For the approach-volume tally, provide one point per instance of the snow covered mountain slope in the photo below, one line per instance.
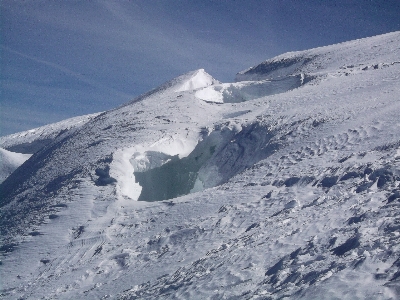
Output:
(340, 59)
(31, 141)
(260, 194)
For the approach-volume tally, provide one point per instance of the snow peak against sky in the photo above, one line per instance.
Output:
(61, 59)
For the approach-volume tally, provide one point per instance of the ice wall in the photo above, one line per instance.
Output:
(221, 155)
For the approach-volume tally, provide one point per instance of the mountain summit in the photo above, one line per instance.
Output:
(195, 80)
(285, 183)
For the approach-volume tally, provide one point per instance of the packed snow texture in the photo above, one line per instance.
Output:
(285, 183)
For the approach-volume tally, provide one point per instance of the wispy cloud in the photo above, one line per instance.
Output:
(147, 34)
(69, 72)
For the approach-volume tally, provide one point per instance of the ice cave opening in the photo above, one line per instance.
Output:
(165, 177)
(217, 158)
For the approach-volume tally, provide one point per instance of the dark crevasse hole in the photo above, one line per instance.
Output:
(218, 157)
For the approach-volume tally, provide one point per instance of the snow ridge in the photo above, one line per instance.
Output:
(328, 59)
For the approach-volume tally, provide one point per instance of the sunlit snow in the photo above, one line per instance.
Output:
(283, 184)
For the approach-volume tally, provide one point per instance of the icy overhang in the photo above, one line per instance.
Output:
(249, 90)
(152, 174)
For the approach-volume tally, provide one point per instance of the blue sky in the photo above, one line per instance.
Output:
(61, 59)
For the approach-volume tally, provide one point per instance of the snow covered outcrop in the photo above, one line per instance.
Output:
(195, 80)
(268, 188)
(10, 161)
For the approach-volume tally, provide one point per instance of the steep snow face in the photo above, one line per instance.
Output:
(10, 161)
(195, 80)
(293, 194)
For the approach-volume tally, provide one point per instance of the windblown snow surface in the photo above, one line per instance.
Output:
(285, 183)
